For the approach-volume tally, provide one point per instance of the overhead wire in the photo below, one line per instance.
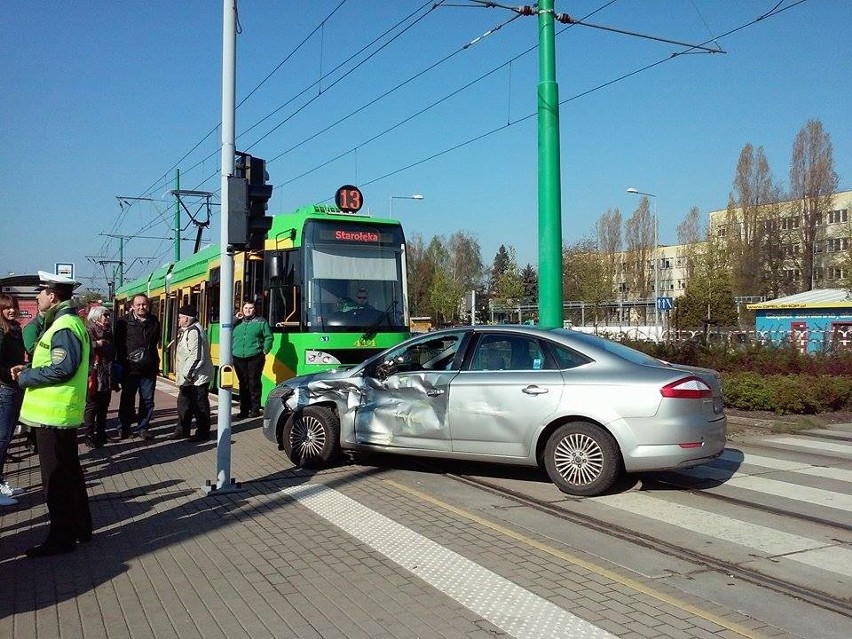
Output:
(771, 13)
(156, 184)
(324, 76)
(777, 9)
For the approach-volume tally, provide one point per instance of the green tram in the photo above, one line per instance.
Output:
(310, 280)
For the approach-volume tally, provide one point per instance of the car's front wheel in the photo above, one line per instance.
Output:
(311, 437)
(582, 459)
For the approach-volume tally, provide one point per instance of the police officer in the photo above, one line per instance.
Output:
(54, 384)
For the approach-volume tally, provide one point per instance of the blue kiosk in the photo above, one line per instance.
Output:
(813, 321)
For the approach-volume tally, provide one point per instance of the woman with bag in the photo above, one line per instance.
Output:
(100, 376)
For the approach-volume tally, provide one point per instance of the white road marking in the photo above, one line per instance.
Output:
(811, 443)
(775, 543)
(824, 472)
(796, 492)
(503, 603)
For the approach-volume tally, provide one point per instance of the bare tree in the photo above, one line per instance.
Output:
(465, 261)
(751, 230)
(813, 181)
(421, 270)
(689, 235)
(639, 237)
(609, 244)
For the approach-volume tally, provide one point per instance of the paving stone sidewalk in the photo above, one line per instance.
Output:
(167, 560)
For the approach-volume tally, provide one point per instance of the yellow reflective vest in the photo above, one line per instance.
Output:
(60, 405)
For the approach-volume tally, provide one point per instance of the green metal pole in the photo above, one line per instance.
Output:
(121, 261)
(549, 189)
(177, 215)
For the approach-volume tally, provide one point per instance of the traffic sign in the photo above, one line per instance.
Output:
(665, 303)
(64, 268)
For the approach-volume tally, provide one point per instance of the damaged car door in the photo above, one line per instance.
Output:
(404, 399)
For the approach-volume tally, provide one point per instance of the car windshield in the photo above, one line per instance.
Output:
(620, 350)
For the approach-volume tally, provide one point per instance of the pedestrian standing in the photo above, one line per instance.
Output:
(100, 382)
(193, 370)
(31, 332)
(137, 336)
(252, 341)
(12, 354)
(54, 384)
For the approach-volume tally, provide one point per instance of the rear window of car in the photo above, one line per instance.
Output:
(566, 357)
(619, 350)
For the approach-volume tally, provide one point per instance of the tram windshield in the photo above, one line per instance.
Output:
(353, 277)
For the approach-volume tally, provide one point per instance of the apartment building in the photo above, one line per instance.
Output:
(824, 254)
(666, 273)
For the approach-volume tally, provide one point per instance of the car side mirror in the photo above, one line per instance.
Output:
(388, 367)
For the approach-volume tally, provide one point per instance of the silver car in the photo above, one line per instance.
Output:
(584, 407)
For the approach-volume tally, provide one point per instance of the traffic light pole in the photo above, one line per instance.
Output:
(224, 482)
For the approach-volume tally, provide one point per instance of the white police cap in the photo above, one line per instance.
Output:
(51, 280)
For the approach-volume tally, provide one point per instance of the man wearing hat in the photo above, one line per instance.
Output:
(54, 398)
(193, 370)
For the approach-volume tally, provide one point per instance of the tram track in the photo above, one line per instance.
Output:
(817, 598)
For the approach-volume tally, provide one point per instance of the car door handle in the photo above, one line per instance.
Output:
(435, 392)
(534, 390)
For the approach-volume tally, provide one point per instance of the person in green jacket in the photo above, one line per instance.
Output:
(31, 333)
(252, 340)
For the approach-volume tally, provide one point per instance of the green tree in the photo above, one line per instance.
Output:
(529, 277)
(503, 261)
(507, 283)
(89, 297)
(585, 277)
(708, 294)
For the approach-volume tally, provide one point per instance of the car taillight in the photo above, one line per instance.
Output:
(687, 388)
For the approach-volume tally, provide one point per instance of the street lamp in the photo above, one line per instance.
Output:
(416, 196)
(656, 262)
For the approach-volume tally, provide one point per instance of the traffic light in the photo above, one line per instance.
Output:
(248, 197)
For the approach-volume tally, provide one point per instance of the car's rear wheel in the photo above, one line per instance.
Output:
(311, 437)
(582, 459)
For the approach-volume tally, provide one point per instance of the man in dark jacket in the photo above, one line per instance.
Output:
(137, 336)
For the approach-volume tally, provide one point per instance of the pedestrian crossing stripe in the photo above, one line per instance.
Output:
(826, 555)
(824, 472)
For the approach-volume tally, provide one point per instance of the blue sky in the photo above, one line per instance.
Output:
(105, 99)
